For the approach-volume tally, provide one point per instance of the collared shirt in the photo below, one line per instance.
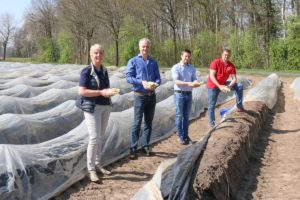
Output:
(223, 71)
(139, 70)
(186, 73)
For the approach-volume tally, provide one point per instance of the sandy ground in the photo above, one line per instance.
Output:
(274, 171)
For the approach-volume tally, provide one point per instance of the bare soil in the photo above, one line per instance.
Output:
(273, 171)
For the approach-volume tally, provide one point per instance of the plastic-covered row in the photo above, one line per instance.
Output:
(174, 178)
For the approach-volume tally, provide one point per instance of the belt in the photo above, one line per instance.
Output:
(144, 93)
(183, 92)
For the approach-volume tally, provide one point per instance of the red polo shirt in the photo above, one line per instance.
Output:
(223, 71)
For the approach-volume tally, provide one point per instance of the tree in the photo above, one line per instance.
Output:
(169, 11)
(111, 15)
(42, 18)
(79, 18)
(6, 31)
(296, 7)
(43, 15)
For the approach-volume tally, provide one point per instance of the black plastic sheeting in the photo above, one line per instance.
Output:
(177, 182)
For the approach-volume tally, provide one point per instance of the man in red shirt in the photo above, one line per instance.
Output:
(220, 70)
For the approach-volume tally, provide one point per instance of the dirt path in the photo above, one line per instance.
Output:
(275, 177)
(274, 172)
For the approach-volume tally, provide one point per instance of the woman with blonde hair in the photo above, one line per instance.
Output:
(94, 100)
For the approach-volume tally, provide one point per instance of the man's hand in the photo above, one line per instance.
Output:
(224, 88)
(152, 85)
(149, 85)
(196, 84)
(145, 84)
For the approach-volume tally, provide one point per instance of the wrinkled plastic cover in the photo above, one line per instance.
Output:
(40, 171)
(296, 87)
(42, 102)
(39, 127)
(27, 91)
(266, 91)
(174, 177)
(43, 126)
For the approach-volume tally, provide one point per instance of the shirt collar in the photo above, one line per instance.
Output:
(102, 68)
(183, 65)
(140, 55)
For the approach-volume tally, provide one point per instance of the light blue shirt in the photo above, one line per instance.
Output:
(186, 73)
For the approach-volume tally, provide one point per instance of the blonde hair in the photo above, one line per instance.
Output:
(96, 46)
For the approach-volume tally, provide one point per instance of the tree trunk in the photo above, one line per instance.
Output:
(4, 51)
(175, 44)
(283, 17)
(88, 58)
(117, 52)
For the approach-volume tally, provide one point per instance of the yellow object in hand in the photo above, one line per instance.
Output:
(113, 91)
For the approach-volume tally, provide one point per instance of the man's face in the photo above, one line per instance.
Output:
(144, 48)
(97, 56)
(185, 58)
(225, 56)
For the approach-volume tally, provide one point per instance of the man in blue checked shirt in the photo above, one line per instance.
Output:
(142, 72)
(184, 77)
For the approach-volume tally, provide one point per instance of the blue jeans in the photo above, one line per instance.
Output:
(183, 103)
(143, 106)
(213, 94)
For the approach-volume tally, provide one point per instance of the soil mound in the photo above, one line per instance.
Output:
(227, 153)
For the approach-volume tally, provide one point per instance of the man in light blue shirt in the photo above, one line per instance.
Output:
(142, 72)
(184, 77)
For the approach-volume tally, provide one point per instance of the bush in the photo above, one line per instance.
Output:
(247, 52)
(284, 54)
(48, 51)
(65, 48)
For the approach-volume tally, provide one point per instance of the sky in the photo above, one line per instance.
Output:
(17, 8)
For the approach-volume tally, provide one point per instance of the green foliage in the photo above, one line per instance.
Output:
(293, 28)
(48, 51)
(284, 54)
(207, 47)
(246, 50)
(129, 49)
(132, 32)
(278, 54)
(110, 53)
(65, 47)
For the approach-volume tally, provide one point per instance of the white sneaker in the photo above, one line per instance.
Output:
(93, 176)
(102, 170)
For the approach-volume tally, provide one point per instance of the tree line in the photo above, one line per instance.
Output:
(262, 34)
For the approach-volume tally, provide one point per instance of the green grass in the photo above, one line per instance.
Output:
(17, 60)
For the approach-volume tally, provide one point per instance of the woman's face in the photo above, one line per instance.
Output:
(97, 57)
